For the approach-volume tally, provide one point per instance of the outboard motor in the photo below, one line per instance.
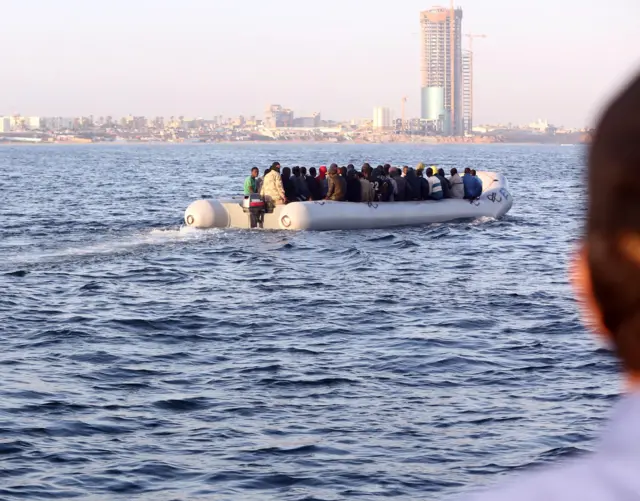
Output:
(255, 207)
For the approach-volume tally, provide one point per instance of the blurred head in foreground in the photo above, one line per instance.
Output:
(607, 269)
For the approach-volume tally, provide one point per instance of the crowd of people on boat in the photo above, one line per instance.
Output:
(384, 183)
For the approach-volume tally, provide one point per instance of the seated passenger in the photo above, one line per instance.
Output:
(414, 184)
(444, 182)
(272, 188)
(391, 178)
(367, 193)
(468, 183)
(337, 185)
(313, 185)
(290, 192)
(424, 184)
(353, 187)
(385, 189)
(401, 183)
(478, 182)
(250, 183)
(323, 182)
(457, 188)
(435, 187)
(301, 184)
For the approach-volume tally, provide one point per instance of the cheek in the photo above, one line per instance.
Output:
(589, 309)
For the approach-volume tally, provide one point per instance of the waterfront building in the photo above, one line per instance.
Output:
(5, 124)
(312, 121)
(441, 69)
(382, 118)
(31, 123)
(277, 116)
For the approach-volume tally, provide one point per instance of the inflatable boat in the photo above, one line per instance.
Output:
(495, 201)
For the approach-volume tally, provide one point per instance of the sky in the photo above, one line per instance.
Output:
(558, 60)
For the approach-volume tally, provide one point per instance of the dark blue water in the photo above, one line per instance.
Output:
(142, 360)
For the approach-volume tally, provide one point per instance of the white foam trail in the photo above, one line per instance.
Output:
(482, 220)
(156, 236)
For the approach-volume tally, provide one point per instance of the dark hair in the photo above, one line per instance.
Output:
(312, 172)
(365, 166)
(296, 171)
(467, 170)
(454, 171)
(343, 171)
(429, 172)
(255, 168)
(286, 173)
(303, 171)
(613, 214)
(333, 165)
(275, 164)
(441, 172)
(473, 172)
(386, 169)
(350, 166)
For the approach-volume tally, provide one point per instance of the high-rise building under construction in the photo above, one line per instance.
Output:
(441, 69)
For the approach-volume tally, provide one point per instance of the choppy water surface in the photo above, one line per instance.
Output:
(142, 360)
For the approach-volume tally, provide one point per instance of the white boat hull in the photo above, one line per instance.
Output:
(495, 201)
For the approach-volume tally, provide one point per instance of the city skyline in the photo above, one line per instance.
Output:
(558, 60)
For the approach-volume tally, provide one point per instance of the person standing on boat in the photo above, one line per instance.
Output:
(337, 185)
(251, 184)
(457, 187)
(272, 188)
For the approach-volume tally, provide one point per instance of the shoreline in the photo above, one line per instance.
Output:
(281, 143)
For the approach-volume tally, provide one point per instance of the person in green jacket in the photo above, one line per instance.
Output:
(250, 183)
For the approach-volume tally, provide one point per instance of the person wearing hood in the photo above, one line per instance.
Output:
(301, 184)
(337, 185)
(444, 182)
(323, 182)
(435, 188)
(353, 187)
(401, 186)
(457, 187)
(313, 185)
(414, 184)
(290, 191)
(272, 189)
(424, 185)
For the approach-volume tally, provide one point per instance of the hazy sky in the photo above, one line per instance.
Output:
(555, 59)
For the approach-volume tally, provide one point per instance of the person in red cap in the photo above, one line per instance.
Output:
(323, 181)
